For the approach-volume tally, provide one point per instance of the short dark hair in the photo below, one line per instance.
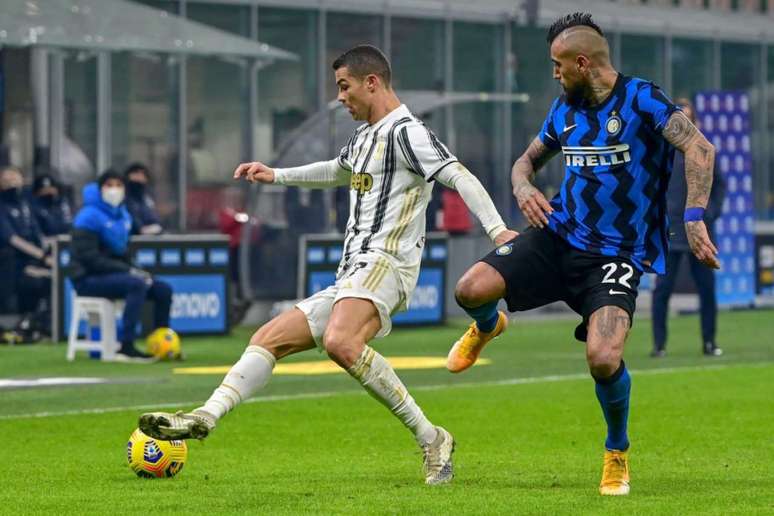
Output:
(109, 174)
(136, 167)
(363, 60)
(571, 20)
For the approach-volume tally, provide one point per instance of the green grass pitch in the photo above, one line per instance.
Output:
(529, 431)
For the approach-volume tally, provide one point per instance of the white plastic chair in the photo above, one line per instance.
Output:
(98, 312)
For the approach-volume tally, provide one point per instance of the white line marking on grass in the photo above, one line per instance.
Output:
(436, 387)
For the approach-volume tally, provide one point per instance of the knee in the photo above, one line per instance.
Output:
(136, 284)
(341, 347)
(466, 292)
(602, 362)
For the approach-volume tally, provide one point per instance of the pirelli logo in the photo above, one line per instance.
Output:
(596, 156)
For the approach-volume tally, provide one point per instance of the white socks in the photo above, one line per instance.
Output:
(245, 378)
(381, 382)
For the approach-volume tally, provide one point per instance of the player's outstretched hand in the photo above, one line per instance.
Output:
(505, 236)
(701, 245)
(255, 172)
(533, 205)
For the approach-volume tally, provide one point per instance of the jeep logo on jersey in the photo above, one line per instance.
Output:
(596, 156)
(362, 182)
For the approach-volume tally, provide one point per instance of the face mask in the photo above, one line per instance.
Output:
(113, 195)
(11, 194)
(135, 189)
(47, 200)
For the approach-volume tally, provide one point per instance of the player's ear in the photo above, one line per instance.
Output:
(582, 63)
(372, 82)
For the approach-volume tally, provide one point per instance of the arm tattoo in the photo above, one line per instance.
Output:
(699, 157)
(610, 319)
(533, 159)
(679, 131)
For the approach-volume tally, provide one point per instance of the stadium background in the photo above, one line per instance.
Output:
(192, 88)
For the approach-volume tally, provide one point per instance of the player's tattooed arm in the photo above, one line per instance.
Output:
(531, 201)
(699, 157)
(699, 164)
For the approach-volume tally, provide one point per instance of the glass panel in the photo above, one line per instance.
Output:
(216, 89)
(643, 57)
(17, 114)
(287, 89)
(79, 146)
(740, 66)
(691, 67)
(534, 76)
(474, 47)
(144, 122)
(740, 70)
(287, 97)
(769, 214)
(414, 70)
(344, 31)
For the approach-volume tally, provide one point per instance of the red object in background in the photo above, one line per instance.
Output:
(230, 223)
(456, 218)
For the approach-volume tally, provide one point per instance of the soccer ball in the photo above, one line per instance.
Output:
(164, 343)
(151, 458)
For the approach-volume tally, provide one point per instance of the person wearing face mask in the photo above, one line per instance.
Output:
(101, 266)
(52, 211)
(140, 204)
(20, 232)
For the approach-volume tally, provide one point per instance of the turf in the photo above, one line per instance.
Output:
(528, 428)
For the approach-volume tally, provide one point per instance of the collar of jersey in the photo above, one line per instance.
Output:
(618, 84)
(396, 114)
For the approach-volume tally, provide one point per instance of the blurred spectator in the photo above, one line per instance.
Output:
(52, 210)
(101, 266)
(704, 277)
(19, 231)
(139, 203)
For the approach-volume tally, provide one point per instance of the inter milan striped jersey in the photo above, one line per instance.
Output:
(617, 166)
(393, 163)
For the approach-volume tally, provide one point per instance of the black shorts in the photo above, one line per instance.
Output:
(539, 267)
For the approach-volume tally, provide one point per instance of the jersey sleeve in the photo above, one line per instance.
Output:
(548, 132)
(422, 151)
(654, 106)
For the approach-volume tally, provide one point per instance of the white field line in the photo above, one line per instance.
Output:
(438, 387)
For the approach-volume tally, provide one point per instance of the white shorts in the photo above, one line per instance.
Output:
(370, 276)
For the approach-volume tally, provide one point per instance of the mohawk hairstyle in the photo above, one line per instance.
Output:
(571, 20)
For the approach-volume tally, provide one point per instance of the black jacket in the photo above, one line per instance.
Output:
(676, 194)
(54, 216)
(142, 209)
(90, 256)
(17, 218)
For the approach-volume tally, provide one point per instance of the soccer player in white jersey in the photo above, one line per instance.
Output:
(390, 163)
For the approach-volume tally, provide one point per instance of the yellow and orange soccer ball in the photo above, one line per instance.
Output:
(153, 458)
(164, 344)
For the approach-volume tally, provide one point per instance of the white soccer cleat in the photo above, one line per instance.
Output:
(180, 425)
(438, 458)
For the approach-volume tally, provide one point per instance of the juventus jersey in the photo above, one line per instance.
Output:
(393, 163)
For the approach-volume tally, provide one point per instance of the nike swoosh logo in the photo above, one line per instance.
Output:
(569, 127)
(614, 292)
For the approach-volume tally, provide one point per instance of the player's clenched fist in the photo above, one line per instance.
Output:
(255, 172)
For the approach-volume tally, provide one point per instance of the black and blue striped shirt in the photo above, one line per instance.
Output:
(613, 197)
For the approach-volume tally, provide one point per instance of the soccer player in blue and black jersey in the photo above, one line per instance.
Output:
(607, 225)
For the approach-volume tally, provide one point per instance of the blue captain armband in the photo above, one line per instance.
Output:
(693, 214)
